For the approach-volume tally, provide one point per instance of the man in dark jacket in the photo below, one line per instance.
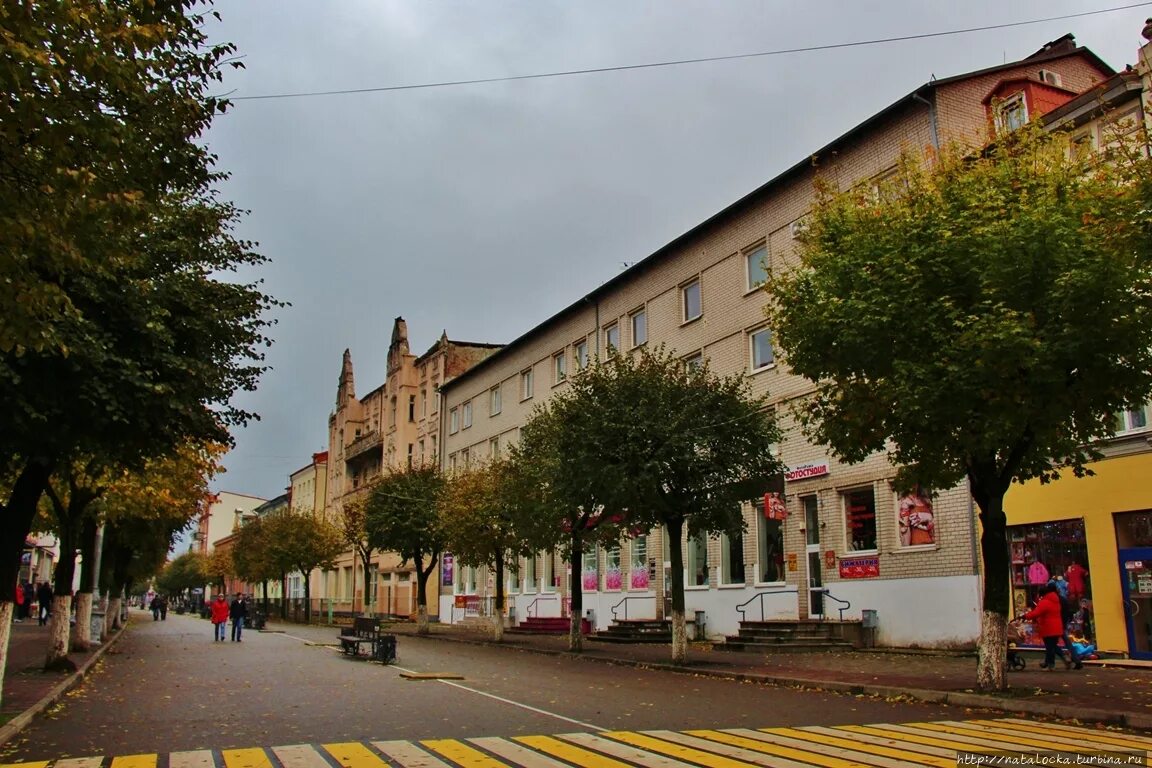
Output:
(238, 611)
(44, 598)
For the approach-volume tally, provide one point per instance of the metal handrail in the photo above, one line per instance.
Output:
(532, 604)
(624, 603)
(758, 596)
(846, 604)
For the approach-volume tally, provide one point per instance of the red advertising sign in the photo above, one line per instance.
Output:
(804, 471)
(774, 508)
(859, 567)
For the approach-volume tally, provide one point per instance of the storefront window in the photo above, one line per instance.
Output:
(696, 561)
(590, 572)
(732, 558)
(860, 512)
(638, 572)
(613, 577)
(915, 520)
(769, 547)
(1053, 552)
(530, 574)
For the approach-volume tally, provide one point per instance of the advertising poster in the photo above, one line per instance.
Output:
(447, 568)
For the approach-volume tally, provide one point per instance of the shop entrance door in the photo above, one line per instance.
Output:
(1136, 583)
(812, 550)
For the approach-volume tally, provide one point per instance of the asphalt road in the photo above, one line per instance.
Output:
(168, 687)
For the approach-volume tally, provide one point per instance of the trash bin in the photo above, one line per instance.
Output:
(701, 630)
(869, 621)
(385, 649)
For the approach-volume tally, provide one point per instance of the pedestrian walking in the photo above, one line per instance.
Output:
(219, 617)
(44, 598)
(156, 608)
(239, 613)
(163, 608)
(1049, 624)
(19, 603)
(29, 598)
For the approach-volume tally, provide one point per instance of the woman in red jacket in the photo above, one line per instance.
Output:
(219, 616)
(1049, 624)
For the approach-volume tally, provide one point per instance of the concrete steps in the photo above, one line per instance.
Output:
(549, 625)
(787, 637)
(635, 631)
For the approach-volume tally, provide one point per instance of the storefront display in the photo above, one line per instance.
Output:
(1057, 553)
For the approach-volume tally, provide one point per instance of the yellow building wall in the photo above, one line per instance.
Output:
(1117, 486)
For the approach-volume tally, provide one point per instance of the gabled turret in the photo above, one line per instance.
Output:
(347, 389)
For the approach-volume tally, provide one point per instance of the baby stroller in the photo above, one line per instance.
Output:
(1015, 635)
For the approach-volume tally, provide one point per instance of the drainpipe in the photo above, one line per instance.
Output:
(932, 122)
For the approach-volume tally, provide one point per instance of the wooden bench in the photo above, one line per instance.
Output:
(363, 630)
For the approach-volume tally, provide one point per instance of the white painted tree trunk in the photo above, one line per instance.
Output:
(679, 638)
(82, 638)
(6, 611)
(421, 619)
(58, 632)
(112, 616)
(498, 627)
(992, 650)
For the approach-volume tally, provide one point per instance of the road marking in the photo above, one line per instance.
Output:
(462, 754)
(528, 707)
(884, 745)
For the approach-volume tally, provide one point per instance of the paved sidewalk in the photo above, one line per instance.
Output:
(1107, 694)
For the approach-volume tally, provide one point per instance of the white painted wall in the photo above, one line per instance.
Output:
(925, 612)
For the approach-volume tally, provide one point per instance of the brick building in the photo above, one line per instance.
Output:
(846, 537)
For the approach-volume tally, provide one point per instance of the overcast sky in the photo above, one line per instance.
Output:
(484, 209)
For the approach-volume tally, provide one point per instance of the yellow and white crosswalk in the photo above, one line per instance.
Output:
(937, 744)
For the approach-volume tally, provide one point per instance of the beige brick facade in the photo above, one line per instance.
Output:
(911, 580)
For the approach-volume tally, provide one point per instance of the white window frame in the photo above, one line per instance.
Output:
(453, 421)
(494, 447)
(527, 383)
(643, 314)
(1128, 422)
(495, 401)
(684, 309)
(726, 554)
(580, 354)
(752, 336)
(691, 548)
(694, 361)
(559, 367)
(609, 332)
(756, 256)
(466, 415)
(1005, 109)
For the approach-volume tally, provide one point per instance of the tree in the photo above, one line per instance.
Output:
(251, 557)
(353, 524)
(401, 514)
(652, 442)
(218, 568)
(981, 320)
(302, 542)
(124, 334)
(483, 513)
(187, 572)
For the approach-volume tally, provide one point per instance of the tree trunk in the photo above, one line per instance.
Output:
(264, 586)
(82, 639)
(367, 583)
(7, 608)
(991, 667)
(307, 597)
(112, 614)
(679, 631)
(58, 627)
(284, 596)
(19, 512)
(498, 614)
(422, 576)
(575, 596)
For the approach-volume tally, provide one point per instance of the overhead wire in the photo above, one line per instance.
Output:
(682, 62)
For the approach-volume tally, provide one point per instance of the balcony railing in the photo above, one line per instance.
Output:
(363, 444)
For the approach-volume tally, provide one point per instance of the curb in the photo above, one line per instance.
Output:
(953, 698)
(22, 720)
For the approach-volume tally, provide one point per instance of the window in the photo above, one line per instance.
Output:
(612, 337)
(639, 321)
(589, 569)
(613, 575)
(514, 578)
(756, 266)
(392, 412)
(581, 354)
(466, 415)
(494, 404)
(1130, 421)
(769, 546)
(690, 300)
(526, 384)
(547, 570)
(423, 458)
(1011, 113)
(453, 421)
(916, 520)
(638, 571)
(466, 457)
(411, 407)
(732, 558)
(411, 452)
(694, 362)
(559, 368)
(494, 448)
(435, 452)
(761, 345)
(452, 462)
(423, 403)
(696, 561)
(860, 513)
(530, 574)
